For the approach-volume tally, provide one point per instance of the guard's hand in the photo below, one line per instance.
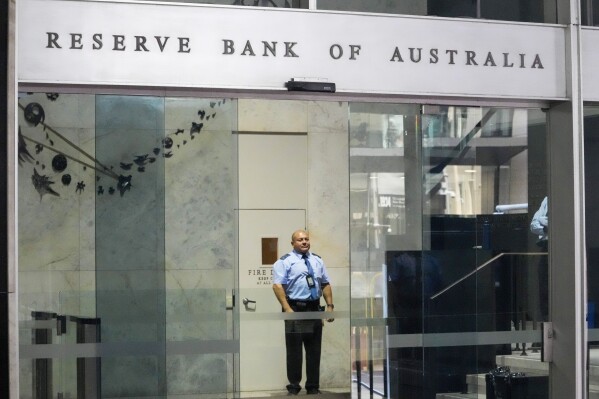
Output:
(330, 319)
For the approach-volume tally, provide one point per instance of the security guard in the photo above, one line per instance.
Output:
(300, 279)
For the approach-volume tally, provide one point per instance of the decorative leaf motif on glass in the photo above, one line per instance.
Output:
(34, 114)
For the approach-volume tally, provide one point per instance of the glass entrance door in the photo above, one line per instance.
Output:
(450, 281)
(146, 233)
(127, 246)
(148, 227)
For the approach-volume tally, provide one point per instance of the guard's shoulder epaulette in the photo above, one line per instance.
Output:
(318, 256)
(285, 256)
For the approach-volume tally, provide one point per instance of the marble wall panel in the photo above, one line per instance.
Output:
(143, 317)
(130, 240)
(328, 222)
(123, 243)
(197, 375)
(25, 379)
(335, 364)
(328, 181)
(191, 315)
(196, 314)
(200, 238)
(87, 282)
(193, 280)
(328, 117)
(335, 367)
(212, 113)
(200, 185)
(87, 293)
(130, 224)
(129, 280)
(272, 171)
(199, 204)
(48, 292)
(87, 205)
(132, 376)
(80, 109)
(55, 230)
(178, 216)
(56, 224)
(272, 116)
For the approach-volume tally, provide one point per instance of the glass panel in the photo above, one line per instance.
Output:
(200, 245)
(516, 10)
(129, 242)
(589, 12)
(591, 145)
(385, 209)
(481, 257)
(56, 232)
(449, 8)
(465, 266)
(411, 7)
(122, 245)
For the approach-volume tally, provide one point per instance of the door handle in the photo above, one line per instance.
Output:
(250, 305)
(246, 301)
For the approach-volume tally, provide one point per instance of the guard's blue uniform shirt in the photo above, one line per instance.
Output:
(291, 271)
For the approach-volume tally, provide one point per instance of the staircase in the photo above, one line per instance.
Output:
(530, 365)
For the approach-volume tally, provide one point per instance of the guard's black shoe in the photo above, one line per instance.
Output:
(293, 389)
(313, 392)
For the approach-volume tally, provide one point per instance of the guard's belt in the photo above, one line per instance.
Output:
(303, 305)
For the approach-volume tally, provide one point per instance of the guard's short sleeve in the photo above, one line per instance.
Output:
(279, 273)
(325, 275)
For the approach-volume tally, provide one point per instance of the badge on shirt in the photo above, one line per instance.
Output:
(310, 281)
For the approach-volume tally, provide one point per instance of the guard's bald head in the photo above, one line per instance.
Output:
(296, 232)
(300, 240)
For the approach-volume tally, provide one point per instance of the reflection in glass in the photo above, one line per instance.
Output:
(512, 10)
(591, 146)
(459, 256)
(589, 10)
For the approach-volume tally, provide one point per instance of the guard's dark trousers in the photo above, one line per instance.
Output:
(300, 334)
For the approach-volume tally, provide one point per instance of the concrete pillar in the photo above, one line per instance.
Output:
(567, 263)
(8, 296)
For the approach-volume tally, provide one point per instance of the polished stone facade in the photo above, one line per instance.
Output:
(156, 261)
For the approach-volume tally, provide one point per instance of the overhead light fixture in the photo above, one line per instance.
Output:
(310, 84)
